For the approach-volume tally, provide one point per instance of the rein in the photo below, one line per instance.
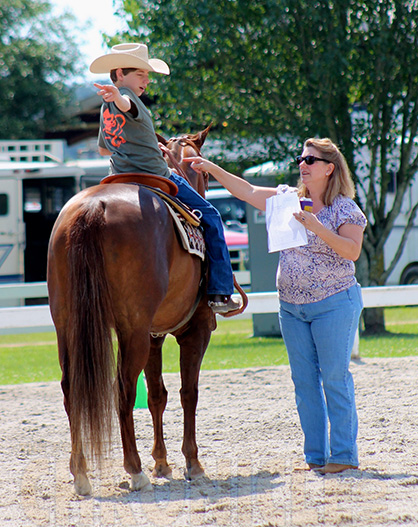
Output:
(183, 142)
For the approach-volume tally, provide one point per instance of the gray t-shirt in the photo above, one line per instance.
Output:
(131, 140)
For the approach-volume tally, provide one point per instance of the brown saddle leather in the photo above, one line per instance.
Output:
(150, 180)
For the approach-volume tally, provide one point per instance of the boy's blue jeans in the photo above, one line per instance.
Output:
(220, 279)
(319, 338)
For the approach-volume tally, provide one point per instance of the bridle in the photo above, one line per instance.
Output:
(183, 141)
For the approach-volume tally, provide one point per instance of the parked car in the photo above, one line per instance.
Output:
(232, 209)
(233, 213)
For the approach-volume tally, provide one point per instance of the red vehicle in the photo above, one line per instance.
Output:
(237, 243)
(232, 211)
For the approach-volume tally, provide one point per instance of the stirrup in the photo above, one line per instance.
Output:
(224, 306)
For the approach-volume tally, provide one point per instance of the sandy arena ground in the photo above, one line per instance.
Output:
(250, 444)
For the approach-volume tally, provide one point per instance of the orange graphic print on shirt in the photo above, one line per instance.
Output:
(113, 127)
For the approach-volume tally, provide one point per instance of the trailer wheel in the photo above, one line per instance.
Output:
(410, 275)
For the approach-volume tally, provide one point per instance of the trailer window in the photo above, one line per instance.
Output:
(4, 204)
(33, 199)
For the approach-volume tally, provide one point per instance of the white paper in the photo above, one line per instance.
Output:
(283, 230)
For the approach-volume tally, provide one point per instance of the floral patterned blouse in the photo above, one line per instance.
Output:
(315, 271)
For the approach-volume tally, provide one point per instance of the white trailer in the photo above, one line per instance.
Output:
(406, 270)
(31, 196)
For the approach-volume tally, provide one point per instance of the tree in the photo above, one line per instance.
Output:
(359, 82)
(38, 56)
(286, 70)
(213, 49)
(387, 127)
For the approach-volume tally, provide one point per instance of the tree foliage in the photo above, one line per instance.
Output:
(285, 70)
(37, 57)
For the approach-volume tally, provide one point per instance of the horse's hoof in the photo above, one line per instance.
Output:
(82, 485)
(140, 482)
(162, 470)
(194, 472)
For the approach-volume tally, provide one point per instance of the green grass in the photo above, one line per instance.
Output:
(28, 358)
(401, 339)
(233, 346)
(33, 357)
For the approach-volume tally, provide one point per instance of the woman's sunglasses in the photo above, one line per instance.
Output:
(309, 160)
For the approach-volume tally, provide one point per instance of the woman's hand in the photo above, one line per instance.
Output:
(199, 164)
(347, 242)
(308, 220)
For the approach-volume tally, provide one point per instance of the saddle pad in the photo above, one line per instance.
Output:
(160, 182)
(191, 236)
(181, 208)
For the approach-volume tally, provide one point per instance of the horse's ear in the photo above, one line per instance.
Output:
(201, 136)
(161, 139)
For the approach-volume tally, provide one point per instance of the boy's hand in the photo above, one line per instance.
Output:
(110, 93)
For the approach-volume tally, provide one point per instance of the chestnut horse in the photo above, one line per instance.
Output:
(115, 261)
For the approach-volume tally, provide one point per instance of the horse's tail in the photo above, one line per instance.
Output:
(91, 357)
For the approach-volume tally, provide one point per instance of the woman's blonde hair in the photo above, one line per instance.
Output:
(340, 181)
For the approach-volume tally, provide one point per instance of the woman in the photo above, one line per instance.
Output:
(319, 299)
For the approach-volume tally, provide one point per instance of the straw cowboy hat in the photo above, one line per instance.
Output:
(128, 56)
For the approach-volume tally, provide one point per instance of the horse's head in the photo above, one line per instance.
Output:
(189, 145)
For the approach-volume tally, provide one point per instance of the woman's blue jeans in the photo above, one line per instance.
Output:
(220, 276)
(319, 338)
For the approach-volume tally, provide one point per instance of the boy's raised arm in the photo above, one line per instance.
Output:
(111, 93)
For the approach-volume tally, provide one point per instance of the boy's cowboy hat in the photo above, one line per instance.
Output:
(128, 56)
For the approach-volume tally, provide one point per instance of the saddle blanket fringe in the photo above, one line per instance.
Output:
(191, 236)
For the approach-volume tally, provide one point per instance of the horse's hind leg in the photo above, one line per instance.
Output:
(78, 468)
(157, 401)
(133, 355)
(78, 465)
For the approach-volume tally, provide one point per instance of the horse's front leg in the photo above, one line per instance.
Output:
(133, 355)
(157, 401)
(193, 345)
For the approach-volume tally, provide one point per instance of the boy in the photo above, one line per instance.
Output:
(127, 135)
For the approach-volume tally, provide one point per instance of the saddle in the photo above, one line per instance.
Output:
(160, 182)
(185, 219)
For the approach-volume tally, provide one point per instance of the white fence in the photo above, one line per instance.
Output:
(38, 318)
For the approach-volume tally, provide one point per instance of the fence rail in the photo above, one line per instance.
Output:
(26, 290)
(38, 318)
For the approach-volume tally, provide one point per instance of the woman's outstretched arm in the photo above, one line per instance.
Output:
(240, 188)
